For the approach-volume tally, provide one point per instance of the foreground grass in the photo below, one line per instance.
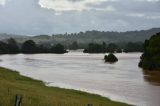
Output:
(35, 93)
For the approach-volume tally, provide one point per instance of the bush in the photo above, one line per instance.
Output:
(96, 48)
(110, 58)
(150, 59)
(58, 49)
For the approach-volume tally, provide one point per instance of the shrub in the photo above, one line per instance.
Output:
(110, 58)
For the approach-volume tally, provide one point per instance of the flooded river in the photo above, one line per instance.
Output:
(122, 81)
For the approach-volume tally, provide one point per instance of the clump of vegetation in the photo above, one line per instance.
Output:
(96, 48)
(103, 48)
(35, 93)
(114, 47)
(74, 46)
(59, 49)
(29, 47)
(111, 58)
(150, 59)
(133, 47)
(9, 47)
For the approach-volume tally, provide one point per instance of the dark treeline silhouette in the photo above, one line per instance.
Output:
(96, 48)
(29, 47)
(114, 48)
(74, 46)
(10, 46)
(134, 47)
(150, 59)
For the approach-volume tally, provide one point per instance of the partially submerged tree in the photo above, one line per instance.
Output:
(111, 58)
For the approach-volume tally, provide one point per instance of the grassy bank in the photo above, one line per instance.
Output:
(35, 93)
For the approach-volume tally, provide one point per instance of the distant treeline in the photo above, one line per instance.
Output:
(10, 46)
(29, 47)
(114, 48)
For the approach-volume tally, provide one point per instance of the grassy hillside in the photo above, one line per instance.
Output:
(35, 93)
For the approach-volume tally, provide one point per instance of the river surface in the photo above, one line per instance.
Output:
(122, 81)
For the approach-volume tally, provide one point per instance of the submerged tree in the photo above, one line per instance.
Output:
(111, 58)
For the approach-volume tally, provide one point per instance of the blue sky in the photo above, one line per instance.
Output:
(33, 17)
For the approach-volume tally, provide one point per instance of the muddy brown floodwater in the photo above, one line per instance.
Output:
(122, 81)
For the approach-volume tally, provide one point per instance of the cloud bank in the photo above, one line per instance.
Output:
(74, 5)
(60, 16)
(2, 2)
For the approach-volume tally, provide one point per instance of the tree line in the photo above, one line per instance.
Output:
(10, 46)
(114, 48)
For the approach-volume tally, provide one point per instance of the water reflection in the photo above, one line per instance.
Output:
(153, 77)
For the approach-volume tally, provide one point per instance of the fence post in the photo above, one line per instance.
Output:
(18, 101)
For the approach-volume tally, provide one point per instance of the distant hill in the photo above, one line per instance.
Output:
(6, 36)
(89, 36)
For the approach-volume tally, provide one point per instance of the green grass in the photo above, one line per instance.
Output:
(35, 93)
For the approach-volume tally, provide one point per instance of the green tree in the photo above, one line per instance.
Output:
(12, 46)
(134, 47)
(29, 46)
(96, 48)
(150, 59)
(42, 49)
(4, 49)
(58, 48)
(111, 48)
(104, 47)
(74, 46)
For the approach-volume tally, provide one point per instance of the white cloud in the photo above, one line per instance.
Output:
(136, 15)
(81, 15)
(74, 5)
(108, 8)
(2, 2)
(153, 17)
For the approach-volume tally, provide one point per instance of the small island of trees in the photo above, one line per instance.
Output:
(150, 59)
(110, 58)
